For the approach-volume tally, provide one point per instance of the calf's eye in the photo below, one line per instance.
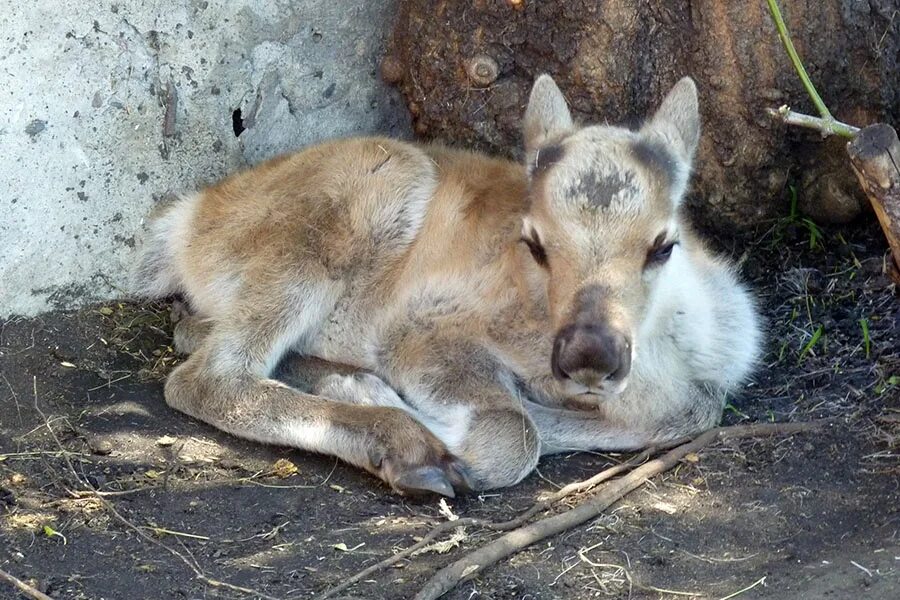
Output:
(660, 252)
(537, 250)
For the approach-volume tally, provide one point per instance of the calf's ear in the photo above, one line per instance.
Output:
(547, 116)
(670, 138)
(677, 121)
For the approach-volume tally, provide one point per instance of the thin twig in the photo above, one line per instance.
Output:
(23, 587)
(395, 558)
(198, 573)
(195, 485)
(537, 507)
(475, 562)
(164, 531)
(632, 580)
(823, 126)
(574, 488)
(761, 580)
(652, 588)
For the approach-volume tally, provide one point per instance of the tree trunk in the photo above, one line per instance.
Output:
(466, 68)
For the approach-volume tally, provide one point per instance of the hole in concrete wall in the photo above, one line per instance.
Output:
(237, 122)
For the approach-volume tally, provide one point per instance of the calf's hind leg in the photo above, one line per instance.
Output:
(189, 327)
(226, 383)
(337, 381)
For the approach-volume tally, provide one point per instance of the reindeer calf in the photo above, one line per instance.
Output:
(441, 318)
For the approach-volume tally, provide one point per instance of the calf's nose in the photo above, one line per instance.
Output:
(590, 354)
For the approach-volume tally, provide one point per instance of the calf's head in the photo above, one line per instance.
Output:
(603, 226)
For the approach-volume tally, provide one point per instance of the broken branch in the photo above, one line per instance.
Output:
(875, 157)
(23, 587)
(824, 126)
(475, 562)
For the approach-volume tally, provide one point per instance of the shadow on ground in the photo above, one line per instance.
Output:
(812, 516)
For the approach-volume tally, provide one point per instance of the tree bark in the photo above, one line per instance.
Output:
(615, 59)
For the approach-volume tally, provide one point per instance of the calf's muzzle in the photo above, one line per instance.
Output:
(591, 354)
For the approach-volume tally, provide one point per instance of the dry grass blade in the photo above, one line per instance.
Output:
(395, 558)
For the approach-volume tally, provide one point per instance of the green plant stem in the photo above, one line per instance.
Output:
(798, 64)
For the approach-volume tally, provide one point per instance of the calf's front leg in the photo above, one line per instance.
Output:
(467, 398)
(644, 415)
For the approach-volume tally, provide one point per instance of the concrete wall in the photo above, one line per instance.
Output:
(106, 107)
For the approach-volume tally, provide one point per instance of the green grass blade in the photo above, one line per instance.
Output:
(867, 341)
(812, 342)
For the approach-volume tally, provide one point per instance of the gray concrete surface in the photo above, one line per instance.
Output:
(106, 107)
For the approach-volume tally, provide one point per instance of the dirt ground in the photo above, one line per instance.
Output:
(810, 516)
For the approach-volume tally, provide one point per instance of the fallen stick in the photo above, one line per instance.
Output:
(537, 507)
(23, 587)
(476, 561)
(573, 488)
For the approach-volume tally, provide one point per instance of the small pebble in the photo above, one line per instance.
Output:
(230, 463)
(96, 481)
(391, 69)
(7, 497)
(100, 447)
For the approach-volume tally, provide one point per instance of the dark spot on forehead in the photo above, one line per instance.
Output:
(598, 188)
(656, 158)
(545, 158)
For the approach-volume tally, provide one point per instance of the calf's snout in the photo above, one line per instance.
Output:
(591, 355)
